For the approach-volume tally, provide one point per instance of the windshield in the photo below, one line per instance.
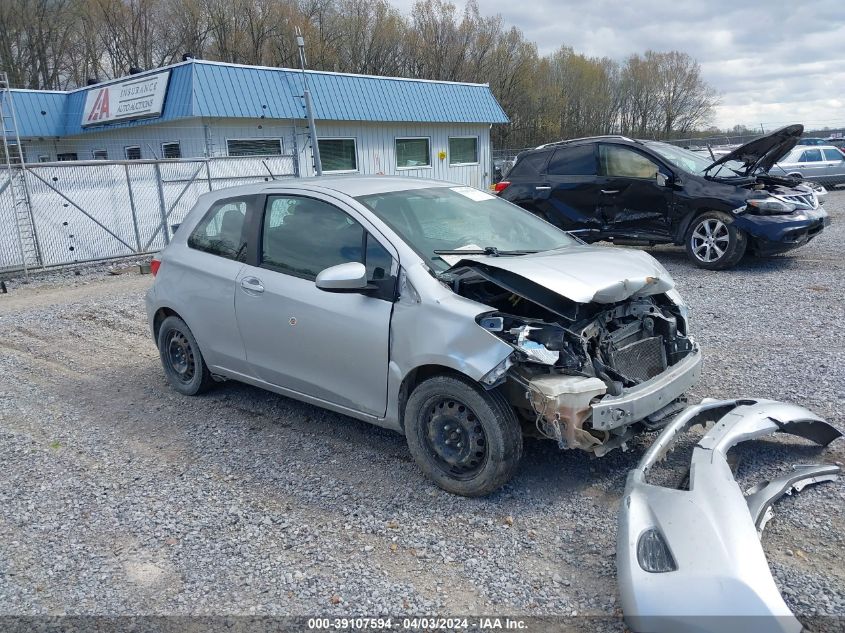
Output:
(462, 218)
(692, 162)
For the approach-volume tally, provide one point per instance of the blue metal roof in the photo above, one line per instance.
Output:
(40, 114)
(199, 88)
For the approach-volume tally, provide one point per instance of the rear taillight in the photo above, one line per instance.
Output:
(155, 264)
(499, 187)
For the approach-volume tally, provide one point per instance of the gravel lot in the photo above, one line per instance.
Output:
(119, 496)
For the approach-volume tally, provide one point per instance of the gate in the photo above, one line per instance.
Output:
(90, 211)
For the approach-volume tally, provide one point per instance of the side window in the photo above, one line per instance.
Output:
(811, 156)
(222, 231)
(529, 165)
(573, 161)
(622, 162)
(303, 236)
(833, 154)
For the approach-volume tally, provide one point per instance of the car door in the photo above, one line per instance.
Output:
(327, 345)
(632, 201)
(575, 195)
(206, 279)
(811, 163)
(834, 162)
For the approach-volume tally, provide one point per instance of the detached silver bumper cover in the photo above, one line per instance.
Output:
(708, 570)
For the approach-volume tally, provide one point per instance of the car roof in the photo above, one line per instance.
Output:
(351, 185)
(804, 148)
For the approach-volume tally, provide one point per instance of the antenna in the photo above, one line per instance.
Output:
(309, 107)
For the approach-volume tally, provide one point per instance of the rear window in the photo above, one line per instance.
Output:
(573, 161)
(529, 165)
(222, 231)
(833, 154)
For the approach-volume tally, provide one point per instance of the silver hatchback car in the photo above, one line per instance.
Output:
(437, 310)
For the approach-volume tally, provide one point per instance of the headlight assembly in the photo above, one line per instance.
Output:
(769, 206)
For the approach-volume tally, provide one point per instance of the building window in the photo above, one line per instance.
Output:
(254, 147)
(43, 158)
(66, 156)
(338, 154)
(133, 152)
(463, 150)
(14, 155)
(171, 150)
(413, 153)
(100, 154)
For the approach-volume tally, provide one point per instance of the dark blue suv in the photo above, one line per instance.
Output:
(648, 192)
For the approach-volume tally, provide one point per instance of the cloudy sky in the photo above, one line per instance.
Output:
(773, 61)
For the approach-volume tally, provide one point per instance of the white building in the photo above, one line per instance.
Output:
(365, 124)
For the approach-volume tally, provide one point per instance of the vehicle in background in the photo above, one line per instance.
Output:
(436, 310)
(809, 140)
(823, 164)
(837, 142)
(648, 192)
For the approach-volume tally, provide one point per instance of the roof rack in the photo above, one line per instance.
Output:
(585, 138)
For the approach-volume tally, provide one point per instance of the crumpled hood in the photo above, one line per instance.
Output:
(585, 273)
(763, 152)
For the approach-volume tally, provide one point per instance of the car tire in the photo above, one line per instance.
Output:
(464, 438)
(713, 242)
(181, 358)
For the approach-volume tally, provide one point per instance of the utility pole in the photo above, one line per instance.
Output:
(309, 107)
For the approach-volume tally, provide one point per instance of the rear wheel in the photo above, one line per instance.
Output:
(466, 439)
(713, 242)
(181, 358)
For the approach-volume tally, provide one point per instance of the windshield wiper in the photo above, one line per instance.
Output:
(492, 251)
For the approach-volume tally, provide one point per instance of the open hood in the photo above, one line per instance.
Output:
(761, 153)
(583, 274)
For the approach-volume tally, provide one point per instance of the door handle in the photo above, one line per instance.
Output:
(542, 188)
(610, 191)
(252, 284)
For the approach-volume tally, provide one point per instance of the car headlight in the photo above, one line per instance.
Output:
(769, 206)
(653, 554)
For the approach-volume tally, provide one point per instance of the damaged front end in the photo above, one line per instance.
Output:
(590, 373)
(690, 559)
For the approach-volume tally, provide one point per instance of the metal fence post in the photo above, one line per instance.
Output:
(208, 173)
(163, 204)
(132, 209)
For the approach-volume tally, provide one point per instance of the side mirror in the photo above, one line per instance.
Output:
(662, 179)
(349, 277)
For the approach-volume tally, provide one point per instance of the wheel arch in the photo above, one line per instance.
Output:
(159, 317)
(417, 375)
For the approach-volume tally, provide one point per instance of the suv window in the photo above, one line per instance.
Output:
(833, 154)
(529, 165)
(221, 232)
(573, 161)
(621, 162)
(303, 236)
(810, 156)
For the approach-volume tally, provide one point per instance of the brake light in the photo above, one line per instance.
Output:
(499, 187)
(155, 264)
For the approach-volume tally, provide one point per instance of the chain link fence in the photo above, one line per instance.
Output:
(89, 211)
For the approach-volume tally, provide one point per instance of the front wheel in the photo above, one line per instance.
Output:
(713, 242)
(466, 439)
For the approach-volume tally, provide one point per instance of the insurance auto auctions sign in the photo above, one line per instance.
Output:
(133, 98)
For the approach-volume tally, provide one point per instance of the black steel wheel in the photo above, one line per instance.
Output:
(466, 439)
(455, 437)
(181, 358)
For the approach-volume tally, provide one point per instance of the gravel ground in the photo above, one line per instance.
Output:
(121, 497)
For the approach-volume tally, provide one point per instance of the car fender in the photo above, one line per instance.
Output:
(431, 325)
